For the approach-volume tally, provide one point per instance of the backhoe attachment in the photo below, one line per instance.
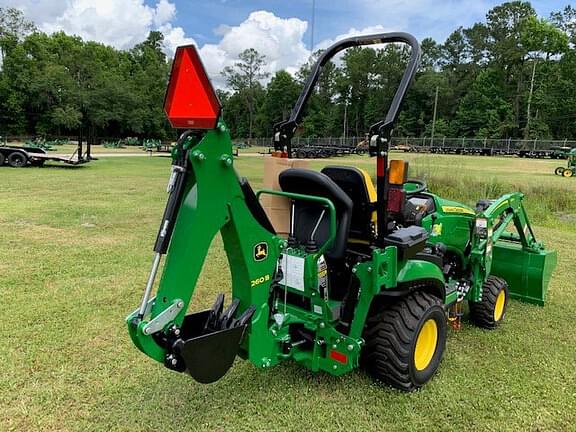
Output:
(206, 198)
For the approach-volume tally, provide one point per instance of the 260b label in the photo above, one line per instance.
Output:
(258, 281)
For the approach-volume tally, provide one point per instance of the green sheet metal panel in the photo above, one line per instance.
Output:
(527, 272)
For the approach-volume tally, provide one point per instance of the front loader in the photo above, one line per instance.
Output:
(367, 276)
(570, 170)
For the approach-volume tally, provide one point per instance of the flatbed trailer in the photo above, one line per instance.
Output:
(21, 156)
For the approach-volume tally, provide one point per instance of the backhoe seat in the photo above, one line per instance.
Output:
(357, 184)
(307, 213)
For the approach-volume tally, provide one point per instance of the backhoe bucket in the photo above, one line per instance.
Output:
(527, 272)
(208, 354)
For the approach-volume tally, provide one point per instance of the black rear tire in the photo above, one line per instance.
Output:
(392, 336)
(17, 159)
(489, 312)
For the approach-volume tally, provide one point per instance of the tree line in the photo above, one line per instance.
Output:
(511, 76)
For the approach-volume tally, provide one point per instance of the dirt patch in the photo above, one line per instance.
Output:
(567, 217)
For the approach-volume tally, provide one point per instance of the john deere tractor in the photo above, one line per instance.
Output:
(570, 170)
(369, 275)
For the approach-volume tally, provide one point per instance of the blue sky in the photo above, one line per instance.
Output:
(333, 17)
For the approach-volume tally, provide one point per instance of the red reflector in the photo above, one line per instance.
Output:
(190, 100)
(339, 357)
(395, 200)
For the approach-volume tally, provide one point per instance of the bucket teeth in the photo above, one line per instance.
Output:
(244, 318)
(228, 315)
(215, 312)
(221, 320)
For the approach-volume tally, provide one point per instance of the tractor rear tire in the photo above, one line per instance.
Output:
(489, 312)
(567, 172)
(405, 342)
(559, 171)
(17, 159)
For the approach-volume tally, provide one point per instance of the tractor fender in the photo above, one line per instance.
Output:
(418, 273)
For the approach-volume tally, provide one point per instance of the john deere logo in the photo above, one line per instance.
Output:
(260, 251)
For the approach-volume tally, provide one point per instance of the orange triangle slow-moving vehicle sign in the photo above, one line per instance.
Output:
(190, 101)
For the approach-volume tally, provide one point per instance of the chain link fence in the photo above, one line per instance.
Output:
(487, 146)
(332, 146)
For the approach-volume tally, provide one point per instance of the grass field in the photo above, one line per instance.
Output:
(75, 250)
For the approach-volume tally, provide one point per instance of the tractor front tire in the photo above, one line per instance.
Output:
(405, 341)
(559, 171)
(567, 172)
(489, 312)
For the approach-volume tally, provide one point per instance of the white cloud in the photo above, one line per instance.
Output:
(279, 39)
(352, 32)
(121, 24)
(174, 37)
(164, 13)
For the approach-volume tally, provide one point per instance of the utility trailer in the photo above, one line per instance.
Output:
(537, 154)
(318, 151)
(21, 156)
(324, 151)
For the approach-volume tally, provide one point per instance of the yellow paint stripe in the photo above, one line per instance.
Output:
(369, 185)
(454, 209)
(371, 191)
(501, 204)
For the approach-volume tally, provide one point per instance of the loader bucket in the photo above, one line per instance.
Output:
(208, 354)
(527, 272)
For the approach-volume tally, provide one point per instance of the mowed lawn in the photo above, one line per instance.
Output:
(75, 251)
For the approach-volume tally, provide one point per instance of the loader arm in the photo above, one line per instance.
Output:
(516, 256)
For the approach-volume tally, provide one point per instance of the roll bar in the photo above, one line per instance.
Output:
(284, 131)
(380, 132)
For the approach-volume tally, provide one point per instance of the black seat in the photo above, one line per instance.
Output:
(357, 184)
(308, 213)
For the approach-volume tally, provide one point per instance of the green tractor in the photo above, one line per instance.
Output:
(368, 276)
(570, 170)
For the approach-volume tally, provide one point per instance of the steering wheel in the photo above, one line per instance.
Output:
(414, 186)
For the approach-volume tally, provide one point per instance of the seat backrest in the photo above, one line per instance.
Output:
(307, 213)
(357, 184)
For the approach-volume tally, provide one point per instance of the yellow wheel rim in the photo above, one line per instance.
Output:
(499, 308)
(567, 173)
(426, 344)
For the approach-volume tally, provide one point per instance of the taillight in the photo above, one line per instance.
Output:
(396, 197)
